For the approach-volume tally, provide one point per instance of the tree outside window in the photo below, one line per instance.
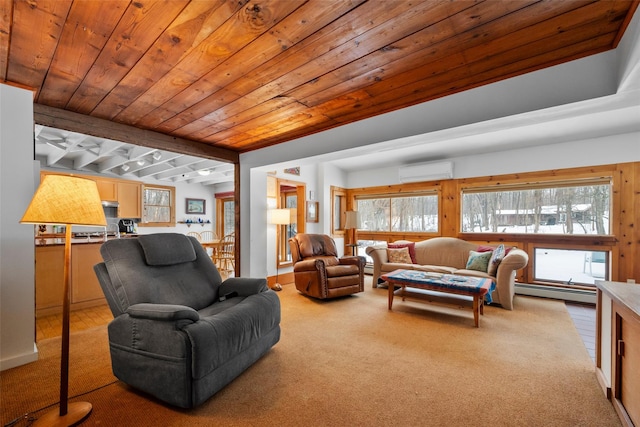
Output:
(564, 208)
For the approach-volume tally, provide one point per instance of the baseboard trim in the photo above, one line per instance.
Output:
(567, 294)
(19, 360)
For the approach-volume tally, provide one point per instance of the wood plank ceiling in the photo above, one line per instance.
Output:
(242, 75)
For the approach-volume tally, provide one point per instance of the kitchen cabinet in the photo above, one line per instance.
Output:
(108, 189)
(129, 200)
(49, 277)
(84, 286)
(618, 347)
(84, 282)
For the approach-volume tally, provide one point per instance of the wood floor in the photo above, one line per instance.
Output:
(51, 326)
(584, 318)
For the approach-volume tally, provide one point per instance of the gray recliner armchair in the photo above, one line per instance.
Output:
(179, 332)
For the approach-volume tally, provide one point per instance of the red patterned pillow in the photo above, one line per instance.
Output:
(411, 246)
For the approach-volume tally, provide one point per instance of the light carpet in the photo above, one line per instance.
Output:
(352, 362)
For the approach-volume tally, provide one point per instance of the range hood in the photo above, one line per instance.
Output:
(109, 204)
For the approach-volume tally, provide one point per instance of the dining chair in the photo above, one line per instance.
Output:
(208, 236)
(224, 257)
(196, 235)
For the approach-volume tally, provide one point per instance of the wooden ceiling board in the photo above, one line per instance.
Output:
(240, 75)
(135, 33)
(453, 70)
(187, 106)
(30, 51)
(358, 66)
(6, 10)
(85, 33)
(253, 87)
(198, 21)
(232, 36)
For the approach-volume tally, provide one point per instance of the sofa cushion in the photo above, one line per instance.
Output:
(496, 257)
(411, 246)
(478, 260)
(399, 256)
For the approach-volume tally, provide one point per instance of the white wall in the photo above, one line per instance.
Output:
(17, 251)
(587, 152)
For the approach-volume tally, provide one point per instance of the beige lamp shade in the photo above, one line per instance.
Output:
(62, 199)
(352, 220)
(280, 216)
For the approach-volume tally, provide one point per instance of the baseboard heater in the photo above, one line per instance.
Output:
(567, 294)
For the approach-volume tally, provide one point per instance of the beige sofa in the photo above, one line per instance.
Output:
(449, 255)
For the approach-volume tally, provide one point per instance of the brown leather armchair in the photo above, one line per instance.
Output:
(318, 271)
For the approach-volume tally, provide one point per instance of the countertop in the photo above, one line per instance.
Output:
(53, 241)
(626, 294)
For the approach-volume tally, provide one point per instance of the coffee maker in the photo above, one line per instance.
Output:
(126, 226)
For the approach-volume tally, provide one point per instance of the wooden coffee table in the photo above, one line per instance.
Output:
(417, 284)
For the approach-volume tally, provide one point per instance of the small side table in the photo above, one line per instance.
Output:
(354, 250)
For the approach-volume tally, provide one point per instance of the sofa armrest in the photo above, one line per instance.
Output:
(244, 286)
(168, 312)
(506, 274)
(515, 260)
(379, 256)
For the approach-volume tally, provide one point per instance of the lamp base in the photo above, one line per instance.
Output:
(77, 412)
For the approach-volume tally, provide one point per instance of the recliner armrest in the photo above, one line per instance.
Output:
(306, 265)
(354, 260)
(244, 286)
(169, 312)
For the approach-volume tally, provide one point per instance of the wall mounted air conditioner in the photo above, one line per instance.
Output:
(426, 172)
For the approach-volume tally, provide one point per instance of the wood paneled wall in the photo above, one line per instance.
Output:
(624, 242)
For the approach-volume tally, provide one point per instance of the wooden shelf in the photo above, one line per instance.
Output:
(189, 224)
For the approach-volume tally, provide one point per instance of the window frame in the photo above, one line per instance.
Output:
(172, 206)
(338, 193)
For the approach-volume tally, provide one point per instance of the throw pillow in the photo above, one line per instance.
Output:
(399, 255)
(411, 246)
(478, 261)
(494, 262)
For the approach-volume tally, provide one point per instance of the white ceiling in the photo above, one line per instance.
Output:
(61, 149)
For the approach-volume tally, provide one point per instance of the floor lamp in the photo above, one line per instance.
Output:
(279, 217)
(65, 200)
(351, 224)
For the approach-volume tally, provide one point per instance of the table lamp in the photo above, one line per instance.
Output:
(65, 200)
(279, 217)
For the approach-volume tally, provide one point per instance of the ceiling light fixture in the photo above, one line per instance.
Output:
(140, 162)
(204, 172)
(157, 156)
(124, 167)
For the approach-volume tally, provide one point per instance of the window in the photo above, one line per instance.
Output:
(289, 200)
(158, 206)
(225, 213)
(338, 209)
(291, 195)
(570, 266)
(540, 208)
(406, 213)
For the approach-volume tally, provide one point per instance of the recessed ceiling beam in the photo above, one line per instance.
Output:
(68, 120)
